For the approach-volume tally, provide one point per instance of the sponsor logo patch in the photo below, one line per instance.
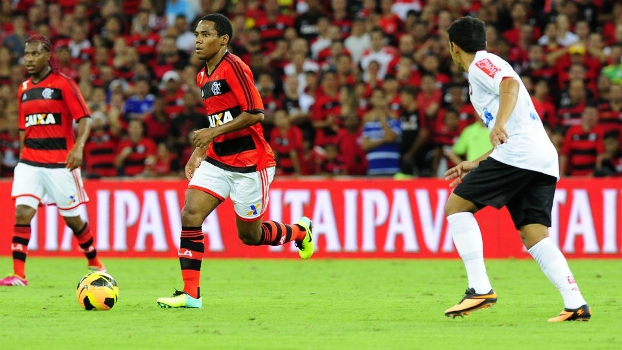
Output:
(487, 67)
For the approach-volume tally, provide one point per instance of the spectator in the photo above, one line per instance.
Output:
(140, 104)
(582, 144)
(299, 66)
(143, 38)
(16, 40)
(65, 65)
(406, 72)
(389, 21)
(611, 27)
(158, 122)
(572, 103)
(381, 137)
(403, 7)
(459, 102)
(295, 104)
(100, 148)
(79, 45)
(614, 70)
(536, 66)
(272, 26)
(173, 93)
(566, 37)
(415, 135)
(474, 141)
(358, 41)
(603, 84)
(340, 17)
(429, 98)
(112, 30)
(379, 52)
(542, 102)
(346, 73)
(184, 38)
(444, 139)
(306, 23)
(326, 110)
(174, 8)
(349, 140)
(168, 57)
(391, 86)
(135, 153)
(6, 63)
(9, 142)
(166, 163)
(267, 87)
(331, 164)
(610, 112)
(286, 142)
(609, 163)
(190, 119)
(323, 39)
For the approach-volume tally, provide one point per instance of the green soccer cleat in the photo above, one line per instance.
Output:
(305, 247)
(180, 299)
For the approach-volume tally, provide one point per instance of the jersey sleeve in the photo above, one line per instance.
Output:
(489, 74)
(240, 80)
(74, 100)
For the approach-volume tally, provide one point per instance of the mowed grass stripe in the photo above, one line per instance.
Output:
(315, 304)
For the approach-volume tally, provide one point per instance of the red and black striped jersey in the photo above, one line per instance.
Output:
(228, 92)
(99, 154)
(582, 147)
(283, 144)
(135, 163)
(272, 30)
(609, 118)
(47, 110)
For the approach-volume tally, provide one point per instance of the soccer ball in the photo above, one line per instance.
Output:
(97, 291)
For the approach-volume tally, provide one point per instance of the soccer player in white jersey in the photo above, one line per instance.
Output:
(520, 173)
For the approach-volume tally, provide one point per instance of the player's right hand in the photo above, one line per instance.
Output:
(456, 173)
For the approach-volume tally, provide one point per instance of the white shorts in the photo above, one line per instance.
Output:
(63, 188)
(248, 191)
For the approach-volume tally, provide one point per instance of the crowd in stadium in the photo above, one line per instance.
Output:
(349, 87)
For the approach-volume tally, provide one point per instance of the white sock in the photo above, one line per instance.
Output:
(468, 241)
(555, 267)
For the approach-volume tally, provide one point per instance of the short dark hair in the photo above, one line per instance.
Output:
(222, 24)
(468, 33)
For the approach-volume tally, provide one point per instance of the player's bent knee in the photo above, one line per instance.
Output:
(249, 238)
(24, 214)
(192, 216)
(456, 204)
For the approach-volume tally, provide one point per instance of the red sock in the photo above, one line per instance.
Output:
(19, 248)
(276, 233)
(191, 250)
(85, 241)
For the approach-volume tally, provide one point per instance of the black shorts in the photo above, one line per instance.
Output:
(527, 194)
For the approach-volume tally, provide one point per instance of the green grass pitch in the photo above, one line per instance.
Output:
(315, 304)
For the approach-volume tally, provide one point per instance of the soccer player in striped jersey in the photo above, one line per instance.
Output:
(49, 164)
(231, 159)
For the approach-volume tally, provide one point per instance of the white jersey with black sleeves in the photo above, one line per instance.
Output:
(528, 146)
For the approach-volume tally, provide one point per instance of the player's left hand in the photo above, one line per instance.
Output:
(202, 137)
(74, 159)
(498, 135)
